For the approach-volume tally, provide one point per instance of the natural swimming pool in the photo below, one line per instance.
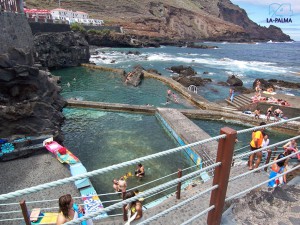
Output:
(102, 139)
(102, 86)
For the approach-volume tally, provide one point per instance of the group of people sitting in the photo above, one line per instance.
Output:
(258, 98)
(277, 113)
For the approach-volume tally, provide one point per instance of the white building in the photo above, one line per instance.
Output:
(74, 17)
(63, 14)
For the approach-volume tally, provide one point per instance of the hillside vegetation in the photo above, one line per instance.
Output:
(177, 19)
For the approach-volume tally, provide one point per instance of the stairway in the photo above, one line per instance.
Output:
(239, 101)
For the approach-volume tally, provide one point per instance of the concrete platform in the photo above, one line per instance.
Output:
(189, 132)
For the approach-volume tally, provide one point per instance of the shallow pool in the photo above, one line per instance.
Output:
(101, 86)
(102, 139)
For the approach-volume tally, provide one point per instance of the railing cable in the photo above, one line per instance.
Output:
(102, 170)
(258, 185)
(177, 205)
(142, 195)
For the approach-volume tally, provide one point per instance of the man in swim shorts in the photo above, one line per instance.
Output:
(256, 143)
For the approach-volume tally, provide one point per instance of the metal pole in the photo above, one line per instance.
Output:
(179, 184)
(25, 212)
(222, 172)
(125, 218)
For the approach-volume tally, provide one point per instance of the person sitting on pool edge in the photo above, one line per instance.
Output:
(140, 171)
(135, 207)
(69, 211)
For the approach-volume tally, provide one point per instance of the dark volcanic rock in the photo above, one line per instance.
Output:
(135, 76)
(60, 50)
(187, 81)
(113, 40)
(283, 83)
(30, 103)
(264, 84)
(193, 45)
(234, 81)
(183, 71)
(154, 71)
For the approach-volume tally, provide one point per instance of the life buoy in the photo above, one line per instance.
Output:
(7, 148)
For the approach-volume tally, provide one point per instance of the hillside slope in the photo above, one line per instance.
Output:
(179, 19)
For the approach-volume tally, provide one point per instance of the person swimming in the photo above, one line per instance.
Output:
(140, 171)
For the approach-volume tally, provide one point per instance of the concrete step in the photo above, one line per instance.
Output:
(246, 98)
(232, 104)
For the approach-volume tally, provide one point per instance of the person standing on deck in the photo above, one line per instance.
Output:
(231, 94)
(256, 143)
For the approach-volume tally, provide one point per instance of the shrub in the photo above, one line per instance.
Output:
(77, 27)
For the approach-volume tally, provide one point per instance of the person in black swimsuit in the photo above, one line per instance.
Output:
(269, 112)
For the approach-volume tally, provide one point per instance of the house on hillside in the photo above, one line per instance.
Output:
(38, 14)
(63, 14)
(70, 17)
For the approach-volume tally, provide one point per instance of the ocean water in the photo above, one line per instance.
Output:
(246, 61)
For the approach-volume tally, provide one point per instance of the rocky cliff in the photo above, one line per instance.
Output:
(59, 50)
(30, 103)
(188, 19)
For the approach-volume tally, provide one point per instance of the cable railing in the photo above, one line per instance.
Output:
(224, 141)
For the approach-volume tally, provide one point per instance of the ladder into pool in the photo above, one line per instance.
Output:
(193, 88)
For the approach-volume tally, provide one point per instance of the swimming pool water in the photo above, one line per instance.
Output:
(101, 86)
(102, 139)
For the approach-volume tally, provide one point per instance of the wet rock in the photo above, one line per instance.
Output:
(134, 77)
(264, 84)
(234, 81)
(193, 45)
(183, 71)
(133, 53)
(187, 81)
(283, 83)
(154, 71)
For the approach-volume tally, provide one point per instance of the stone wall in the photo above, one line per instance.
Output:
(37, 27)
(116, 29)
(14, 32)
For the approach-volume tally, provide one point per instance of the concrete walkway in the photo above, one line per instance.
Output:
(196, 206)
(189, 132)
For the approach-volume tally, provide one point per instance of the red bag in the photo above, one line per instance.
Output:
(62, 151)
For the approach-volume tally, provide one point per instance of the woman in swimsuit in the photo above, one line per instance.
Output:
(134, 207)
(291, 147)
(66, 210)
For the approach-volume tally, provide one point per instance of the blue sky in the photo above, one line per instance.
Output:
(259, 10)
